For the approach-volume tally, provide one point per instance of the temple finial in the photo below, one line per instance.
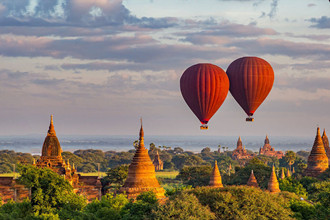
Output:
(318, 133)
(324, 134)
(141, 139)
(51, 130)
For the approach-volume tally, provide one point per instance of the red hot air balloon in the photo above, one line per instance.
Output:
(251, 79)
(204, 87)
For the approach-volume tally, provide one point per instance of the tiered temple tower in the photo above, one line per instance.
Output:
(273, 186)
(317, 160)
(269, 150)
(141, 174)
(51, 156)
(288, 174)
(215, 180)
(252, 180)
(326, 145)
(240, 153)
(158, 163)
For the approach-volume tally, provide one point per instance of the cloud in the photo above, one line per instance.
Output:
(321, 23)
(76, 13)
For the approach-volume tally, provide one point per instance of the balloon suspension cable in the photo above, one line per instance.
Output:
(204, 127)
(250, 118)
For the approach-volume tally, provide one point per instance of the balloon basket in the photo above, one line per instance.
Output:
(204, 127)
(249, 119)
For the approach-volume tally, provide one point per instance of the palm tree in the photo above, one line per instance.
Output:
(290, 157)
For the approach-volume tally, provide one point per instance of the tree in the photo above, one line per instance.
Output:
(238, 202)
(115, 177)
(50, 192)
(196, 175)
(292, 185)
(290, 157)
(183, 206)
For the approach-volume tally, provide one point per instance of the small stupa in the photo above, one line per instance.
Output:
(293, 171)
(158, 163)
(288, 174)
(252, 180)
(326, 145)
(282, 174)
(273, 186)
(215, 179)
(317, 160)
(141, 174)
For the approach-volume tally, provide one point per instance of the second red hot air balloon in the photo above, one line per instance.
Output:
(204, 87)
(251, 79)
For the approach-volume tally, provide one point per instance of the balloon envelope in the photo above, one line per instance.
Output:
(251, 79)
(204, 87)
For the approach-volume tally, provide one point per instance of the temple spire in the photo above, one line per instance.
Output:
(141, 139)
(51, 130)
(273, 185)
(252, 180)
(288, 174)
(215, 179)
(266, 139)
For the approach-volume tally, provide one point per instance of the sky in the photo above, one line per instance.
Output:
(100, 65)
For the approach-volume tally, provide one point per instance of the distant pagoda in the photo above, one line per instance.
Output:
(326, 145)
(273, 185)
(317, 160)
(288, 174)
(240, 153)
(141, 174)
(282, 174)
(268, 150)
(158, 163)
(215, 179)
(252, 180)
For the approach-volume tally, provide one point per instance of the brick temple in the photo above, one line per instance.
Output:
(268, 150)
(51, 157)
(240, 153)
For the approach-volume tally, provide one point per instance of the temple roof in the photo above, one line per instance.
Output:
(215, 179)
(239, 142)
(51, 146)
(266, 140)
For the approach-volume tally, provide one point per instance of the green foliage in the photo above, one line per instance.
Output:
(115, 177)
(183, 206)
(241, 176)
(195, 176)
(50, 191)
(303, 210)
(13, 210)
(244, 203)
(142, 208)
(109, 207)
(292, 185)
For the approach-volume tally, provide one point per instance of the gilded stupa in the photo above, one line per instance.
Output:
(215, 179)
(317, 160)
(326, 145)
(273, 185)
(288, 174)
(141, 174)
(282, 174)
(252, 180)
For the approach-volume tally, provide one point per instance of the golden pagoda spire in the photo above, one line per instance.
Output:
(215, 179)
(252, 180)
(293, 171)
(34, 162)
(141, 138)
(282, 174)
(51, 130)
(317, 160)
(273, 186)
(73, 166)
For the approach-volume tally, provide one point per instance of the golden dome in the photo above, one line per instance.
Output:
(215, 180)
(51, 146)
(273, 185)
